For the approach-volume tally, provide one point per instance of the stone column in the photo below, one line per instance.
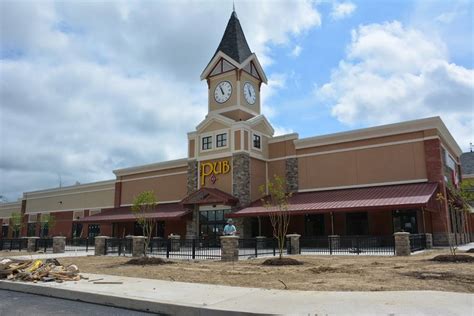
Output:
(175, 244)
(295, 244)
(429, 241)
(100, 245)
(31, 245)
(229, 248)
(402, 244)
(59, 244)
(334, 241)
(138, 246)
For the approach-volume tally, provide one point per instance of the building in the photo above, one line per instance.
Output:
(372, 181)
(467, 167)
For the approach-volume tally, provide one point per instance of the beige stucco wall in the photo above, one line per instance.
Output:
(166, 187)
(392, 163)
(214, 81)
(214, 126)
(276, 168)
(80, 197)
(281, 149)
(6, 209)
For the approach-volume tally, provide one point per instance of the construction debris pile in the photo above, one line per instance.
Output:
(48, 270)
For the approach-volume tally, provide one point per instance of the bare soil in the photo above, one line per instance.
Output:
(147, 261)
(4, 254)
(285, 261)
(318, 273)
(456, 258)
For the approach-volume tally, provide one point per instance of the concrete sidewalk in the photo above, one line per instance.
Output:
(179, 298)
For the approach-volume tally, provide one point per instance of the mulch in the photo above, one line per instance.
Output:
(281, 262)
(147, 261)
(453, 259)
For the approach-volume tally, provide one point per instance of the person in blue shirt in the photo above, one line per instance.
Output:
(229, 229)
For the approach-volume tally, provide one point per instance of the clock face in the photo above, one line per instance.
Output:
(249, 93)
(223, 91)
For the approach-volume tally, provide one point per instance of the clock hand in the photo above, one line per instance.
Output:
(221, 90)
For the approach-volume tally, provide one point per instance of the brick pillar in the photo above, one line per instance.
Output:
(138, 246)
(59, 244)
(429, 241)
(229, 248)
(100, 245)
(334, 241)
(402, 244)
(175, 244)
(295, 244)
(31, 245)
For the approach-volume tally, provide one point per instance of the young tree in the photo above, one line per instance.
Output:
(276, 201)
(48, 221)
(142, 206)
(17, 223)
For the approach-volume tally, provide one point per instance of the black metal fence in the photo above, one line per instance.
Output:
(347, 245)
(80, 244)
(257, 247)
(417, 242)
(13, 244)
(119, 246)
(185, 248)
(44, 244)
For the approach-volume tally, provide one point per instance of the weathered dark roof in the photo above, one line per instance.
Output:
(233, 42)
(467, 163)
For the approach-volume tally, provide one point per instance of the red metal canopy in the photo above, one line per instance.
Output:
(401, 196)
(171, 211)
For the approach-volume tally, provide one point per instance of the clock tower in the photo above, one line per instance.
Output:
(234, 76)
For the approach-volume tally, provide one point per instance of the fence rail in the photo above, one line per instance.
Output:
(417, 242)
(255, 247)
(13, 244)
(80, 244)
(44, 244)
(185, 248)
(119, 246)
(344, 245)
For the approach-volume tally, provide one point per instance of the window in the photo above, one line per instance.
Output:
(221, 140)
(212, 223)
(94, 230)
(5, 231)
(31, 229)
(256, 141)
(207, 143)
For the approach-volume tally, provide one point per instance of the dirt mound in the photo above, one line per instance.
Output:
(451, 258)
(281, 262)
(147, 261)
(470, 250)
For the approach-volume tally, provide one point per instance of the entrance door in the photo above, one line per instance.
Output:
(94, 230)
(5, 231)
(211, 223)
(405, 221)
(314, 224)
(357, 224)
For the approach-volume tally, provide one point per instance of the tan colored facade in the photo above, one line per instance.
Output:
(6, 210)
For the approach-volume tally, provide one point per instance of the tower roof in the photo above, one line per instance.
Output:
(233, 42)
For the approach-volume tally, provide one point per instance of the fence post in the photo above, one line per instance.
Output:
(402, 244)
(59, 244)
(175, 244)
(294, 243)
(256, 247)
(100, 245)
(357, 245)
(334, 243)
(429, 241)
(87, 244)
(194, 249)
(168, 247)
(138, 246)
(229, 248)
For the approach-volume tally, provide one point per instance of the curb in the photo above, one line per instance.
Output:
(136, 304)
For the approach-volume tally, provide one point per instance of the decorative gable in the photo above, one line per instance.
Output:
(221, 67)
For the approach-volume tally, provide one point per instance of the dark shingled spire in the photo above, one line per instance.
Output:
(233, 42)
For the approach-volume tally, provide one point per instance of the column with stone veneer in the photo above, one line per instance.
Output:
(59, 244)
(334, 241)
(138, 246)
(31, 245)
(100, 245)
(229, 248)
(402, 244)
(175, 242)
(294, 240)
(429, 241)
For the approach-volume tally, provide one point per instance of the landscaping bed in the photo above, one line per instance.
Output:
(320, 273)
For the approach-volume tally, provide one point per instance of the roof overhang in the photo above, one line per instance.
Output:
(209, 196)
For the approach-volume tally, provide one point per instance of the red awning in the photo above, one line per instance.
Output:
(401, 196)
(171, 211)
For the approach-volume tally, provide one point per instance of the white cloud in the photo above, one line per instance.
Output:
(342, 10)
(276, 82)
(392, 73)
(281, 130)
(88, 87)
(296, 51)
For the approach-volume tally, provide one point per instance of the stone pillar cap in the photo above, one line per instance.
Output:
(293, 235)
(101, 237)
(230, 237)
(334, 236)
(59, 237)
(33, 237)
(138, 237)
(401, 233)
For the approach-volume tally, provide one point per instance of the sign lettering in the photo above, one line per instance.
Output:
(212, 169)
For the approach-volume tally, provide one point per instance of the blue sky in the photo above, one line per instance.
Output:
(87, 87)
